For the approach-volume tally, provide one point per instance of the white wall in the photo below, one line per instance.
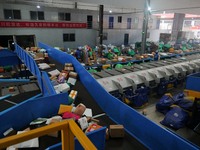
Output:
(54, 36)
(116, 37)
(155, 34)
(134, 24)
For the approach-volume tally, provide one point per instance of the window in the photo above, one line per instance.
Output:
(40, 15)
(64, 16)
(67, 16)
(37, 15)
(12, 14)
(111, 22)
(119, 19)
(188, 22)
(69, 37)
(128, 23)
(166, 24)
(89, 21)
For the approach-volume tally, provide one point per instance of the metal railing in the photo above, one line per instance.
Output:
(68, 128)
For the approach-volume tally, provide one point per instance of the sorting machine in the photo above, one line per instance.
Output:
(133, 83)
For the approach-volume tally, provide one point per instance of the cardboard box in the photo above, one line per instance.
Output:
(71, 81)
(11, 89)
(93, 127)
(83, 123)
(64, 108)
(39, 55)
(34, 49)
(73, 74)
(73, 95)
(68, 64)
(116, 131)
(69, 68)
(52, 65)
(55, 72)
(138, 57)
(62, 88)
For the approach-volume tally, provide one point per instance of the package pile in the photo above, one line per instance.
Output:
(80, 114)
(64, 79)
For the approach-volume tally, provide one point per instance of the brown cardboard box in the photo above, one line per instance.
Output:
(145, 55)
(69, 68)
(138, 57)
(39, 55)
(68, 64)
(52, 65)
(34, 49)
(11, 89)
(73, 74)
(128, 58)
(116, 131)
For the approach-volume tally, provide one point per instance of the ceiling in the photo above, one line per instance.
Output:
(120, 6)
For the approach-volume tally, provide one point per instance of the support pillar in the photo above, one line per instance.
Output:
(177, 25)
(101, 9)
(145, 25)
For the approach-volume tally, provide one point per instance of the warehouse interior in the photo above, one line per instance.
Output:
(103, 74)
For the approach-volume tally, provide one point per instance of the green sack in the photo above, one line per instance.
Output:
(119, 66)
(129, 64)
(92, 70)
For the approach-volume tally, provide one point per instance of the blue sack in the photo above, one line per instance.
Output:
(180, 100)
(164, 104)
(176, 118)
(178, 97)
(186, 104)
(139, 98)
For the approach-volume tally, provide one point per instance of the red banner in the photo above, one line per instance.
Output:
(195, 28)
(22, 24)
